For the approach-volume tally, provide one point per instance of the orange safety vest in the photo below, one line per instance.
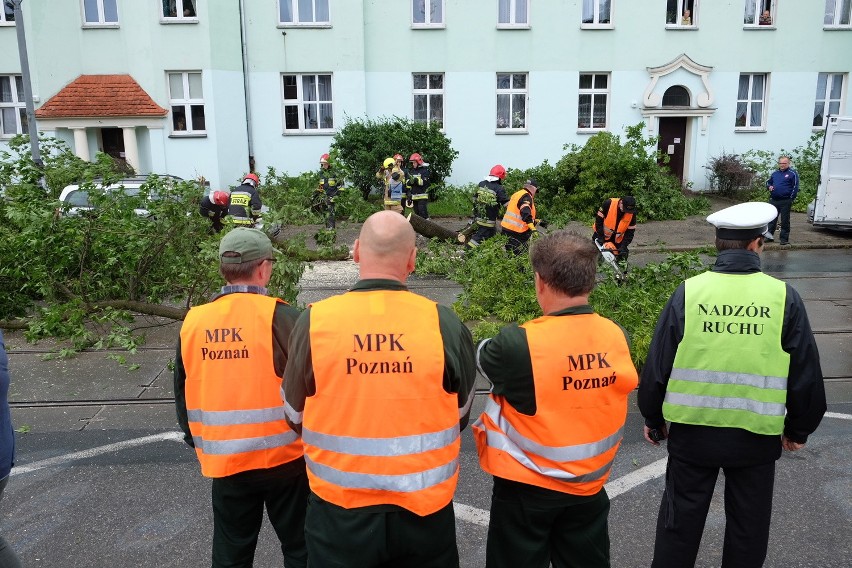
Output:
(380, 428)
(581, 389)
(233, 396)
(609, 222)
(512, 220)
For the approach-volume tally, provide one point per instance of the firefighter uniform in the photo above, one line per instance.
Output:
(230, 357)
(418, 180)
(331, 183)
(490, 196)
(549, 434)
(733, 365)
(615, 225)
(380, 400)
(245, 205)
(519, 221)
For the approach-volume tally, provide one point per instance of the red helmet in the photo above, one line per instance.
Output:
(398, 157)
(253, 178)
(498, 171)
(220, 197)
(324, 159)
(415, 157)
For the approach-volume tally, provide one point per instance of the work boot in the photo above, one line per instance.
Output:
(767, 236)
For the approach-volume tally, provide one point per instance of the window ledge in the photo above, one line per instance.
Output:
(597, 26)
(513, 27)
(171, 21)
(188, 135)
(288, 25)
(5, 24)
(840, 28)
(428, 26)
(749, 130)
(753, 27)
(510, 131)
(331, 132)
(680, 28)
(591, 130)
(97, 26)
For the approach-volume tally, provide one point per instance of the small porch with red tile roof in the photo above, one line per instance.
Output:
(112, 107)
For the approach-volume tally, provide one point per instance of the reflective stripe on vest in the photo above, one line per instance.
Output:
(235, 429)
(730, 370)
(581, 393)
(380, 428)
(610, 226)
(512, 220)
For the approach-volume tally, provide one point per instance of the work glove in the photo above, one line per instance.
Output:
(532, 227)
(610, 247)
(543, 224)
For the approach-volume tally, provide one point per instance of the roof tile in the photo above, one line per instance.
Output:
(98, 96)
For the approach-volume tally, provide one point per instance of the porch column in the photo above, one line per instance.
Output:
(81, 143)
(131, 147)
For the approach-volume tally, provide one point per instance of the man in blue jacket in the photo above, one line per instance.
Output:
(8, 558)
(783, 186)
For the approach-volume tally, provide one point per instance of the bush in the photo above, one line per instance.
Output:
(727, 174)
(360, 147)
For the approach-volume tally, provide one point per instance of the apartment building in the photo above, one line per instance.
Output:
(208, 87)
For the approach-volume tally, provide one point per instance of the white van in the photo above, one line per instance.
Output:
(832, 208)
(74, 199)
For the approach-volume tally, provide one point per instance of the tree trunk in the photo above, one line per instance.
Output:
(430, 229)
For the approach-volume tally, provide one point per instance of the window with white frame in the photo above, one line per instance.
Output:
(759, 13)
(179, 10)
(308, 103)
(513, 13)
(681, 13)
(428, 94)
(597, 12)
(304, 12)
(751, 102)
(7, 14)
(512, 95)
(829, 95)
(13, 108)
(100, 12)
(593, 101)
(186, 100)
(838, 13)
(427, 13)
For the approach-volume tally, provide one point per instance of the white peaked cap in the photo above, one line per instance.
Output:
(742, 221)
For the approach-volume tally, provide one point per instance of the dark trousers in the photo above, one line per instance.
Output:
(783, 206)
(683, 511)
(517, 242)
(372, 538)
(8, 558)
(330, 222)
(420, 208)
(530, 530)
(481, 234)
(238, 514)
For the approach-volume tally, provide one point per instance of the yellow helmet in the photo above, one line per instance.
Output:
(389, 163)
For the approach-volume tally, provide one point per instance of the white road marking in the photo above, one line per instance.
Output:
(838, 415)
(92, 452)
(613, 488)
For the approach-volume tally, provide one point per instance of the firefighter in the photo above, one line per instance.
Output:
(331, 184)
(393, 179)
(418, 180)
(520, 222)
(490, 196)
(615, 225)
(227, 382)
(380, 401)
(734, 368)
(553, 421)
(245, 202)
(214, 206)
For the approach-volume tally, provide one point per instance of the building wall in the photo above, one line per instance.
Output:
(371, 50)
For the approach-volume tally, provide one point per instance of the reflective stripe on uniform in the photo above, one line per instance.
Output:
(241, 445)
(404, 483)
(232, 417)
(382, 447)
(726, 403)
(722, 377)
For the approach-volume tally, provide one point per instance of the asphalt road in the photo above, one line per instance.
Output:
(101, 484)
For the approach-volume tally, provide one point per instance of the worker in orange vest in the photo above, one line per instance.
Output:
(615, 225)
(227, 382)
(380, 400)
(520, 222)
(553, 422)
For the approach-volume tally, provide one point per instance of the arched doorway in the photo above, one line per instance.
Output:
(673, 129)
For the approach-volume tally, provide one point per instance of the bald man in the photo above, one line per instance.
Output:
(379, 383)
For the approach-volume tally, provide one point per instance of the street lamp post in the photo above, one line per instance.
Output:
(32, 130)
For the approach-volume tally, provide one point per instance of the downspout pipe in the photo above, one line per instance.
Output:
(246, 86)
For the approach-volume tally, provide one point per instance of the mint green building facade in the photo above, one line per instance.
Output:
(268, 82)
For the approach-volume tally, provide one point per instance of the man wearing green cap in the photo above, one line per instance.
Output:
(227, 380)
